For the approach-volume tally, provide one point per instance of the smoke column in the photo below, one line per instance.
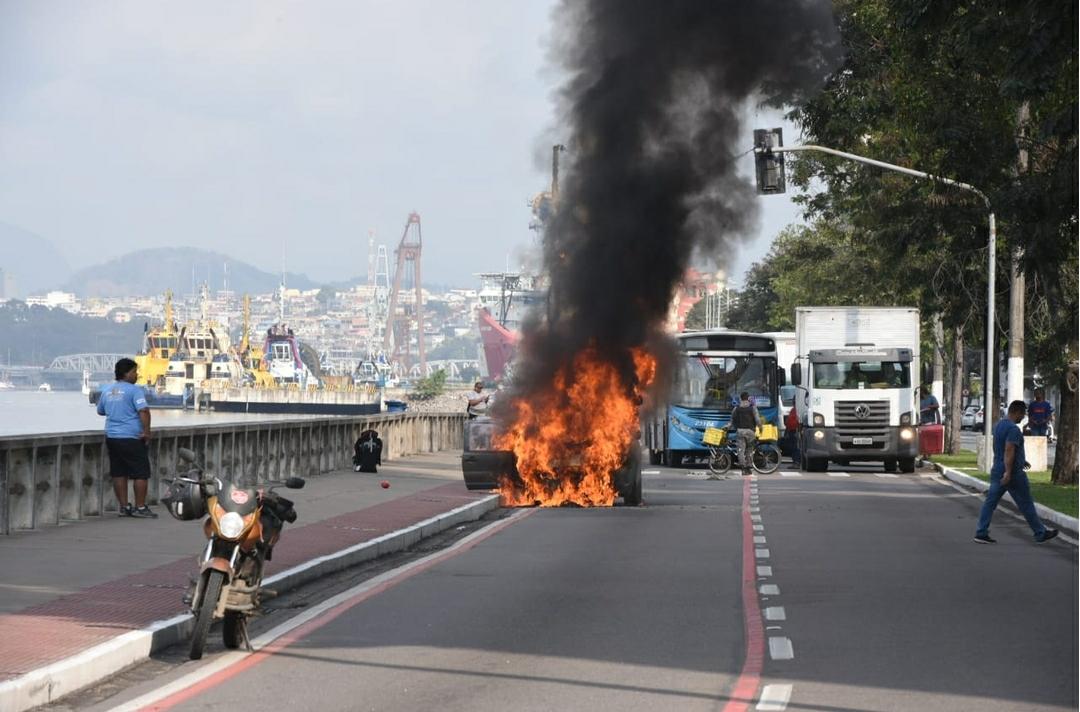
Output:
(653, 105)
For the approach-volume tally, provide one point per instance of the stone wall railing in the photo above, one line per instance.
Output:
(50, 479)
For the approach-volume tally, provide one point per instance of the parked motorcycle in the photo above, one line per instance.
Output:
(242, 526)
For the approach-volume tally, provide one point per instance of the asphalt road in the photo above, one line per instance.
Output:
(884, 599)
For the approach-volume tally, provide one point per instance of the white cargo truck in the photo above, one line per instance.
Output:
(857, 373)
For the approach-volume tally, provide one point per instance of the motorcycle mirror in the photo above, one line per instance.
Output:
(186, 455)
(295, 483)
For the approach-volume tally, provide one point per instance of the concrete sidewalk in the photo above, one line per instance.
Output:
(80, 602)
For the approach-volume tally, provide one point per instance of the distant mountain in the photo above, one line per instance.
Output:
(31, 260)
(152, 271)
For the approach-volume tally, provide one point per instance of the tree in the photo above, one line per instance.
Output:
(431, 386)
(959, 88)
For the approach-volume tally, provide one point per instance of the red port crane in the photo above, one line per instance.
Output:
(401, 316)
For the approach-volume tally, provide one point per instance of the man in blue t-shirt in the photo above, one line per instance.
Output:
(127, 430)
(1040, 414)
(1007, 475)
(928, 407)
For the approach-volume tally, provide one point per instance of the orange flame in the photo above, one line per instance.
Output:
(570, 439)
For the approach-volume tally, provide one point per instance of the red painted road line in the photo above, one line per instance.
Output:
(746, 687)
(300, 631)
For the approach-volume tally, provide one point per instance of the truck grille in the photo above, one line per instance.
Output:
(875, 424)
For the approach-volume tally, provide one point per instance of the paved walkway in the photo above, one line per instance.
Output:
(68, 588)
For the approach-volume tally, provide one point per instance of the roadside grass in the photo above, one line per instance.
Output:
(1062, 498)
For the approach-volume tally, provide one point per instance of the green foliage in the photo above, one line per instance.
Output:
(433, 385)
(459, 347)
(35, 335)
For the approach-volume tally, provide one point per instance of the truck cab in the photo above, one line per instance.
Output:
(858, 405)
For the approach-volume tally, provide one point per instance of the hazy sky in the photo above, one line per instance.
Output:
(246, 127)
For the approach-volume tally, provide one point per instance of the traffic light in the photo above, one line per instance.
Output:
(770, 166)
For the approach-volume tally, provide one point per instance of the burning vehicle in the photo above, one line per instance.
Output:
(571, 441)
(485, 467)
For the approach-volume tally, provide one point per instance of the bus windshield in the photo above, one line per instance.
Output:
(861, 374)
(716, 381)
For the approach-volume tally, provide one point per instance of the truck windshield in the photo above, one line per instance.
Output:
(717, 381)
(861, 374)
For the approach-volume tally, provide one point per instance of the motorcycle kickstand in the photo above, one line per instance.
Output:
(244, 635)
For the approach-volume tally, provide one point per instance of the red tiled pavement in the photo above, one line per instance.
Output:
(44, 634)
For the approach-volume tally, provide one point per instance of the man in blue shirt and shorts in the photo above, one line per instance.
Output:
(1007, 475)
(127, 430)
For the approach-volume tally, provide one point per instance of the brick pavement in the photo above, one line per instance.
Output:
(47, 633)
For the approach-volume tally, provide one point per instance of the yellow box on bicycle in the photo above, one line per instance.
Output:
(714, 436)
(767, 432)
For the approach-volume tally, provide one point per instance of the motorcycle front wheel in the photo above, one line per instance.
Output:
(766, 458)
(205, 615)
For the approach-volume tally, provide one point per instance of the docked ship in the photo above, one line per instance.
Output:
(505, 298)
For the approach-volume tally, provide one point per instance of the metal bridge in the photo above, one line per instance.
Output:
(94, 363)
(453, 368)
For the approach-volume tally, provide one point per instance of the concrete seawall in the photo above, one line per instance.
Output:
(46, 480)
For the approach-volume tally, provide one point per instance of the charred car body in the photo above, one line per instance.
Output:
(486, 468)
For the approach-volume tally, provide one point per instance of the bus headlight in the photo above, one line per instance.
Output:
(683, 427)
(819, 435)
(819, 420)
(906, 434)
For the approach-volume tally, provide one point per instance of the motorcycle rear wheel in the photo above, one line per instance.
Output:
(205, 616)
(232, 630)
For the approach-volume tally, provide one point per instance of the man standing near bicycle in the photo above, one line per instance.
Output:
(745, 419)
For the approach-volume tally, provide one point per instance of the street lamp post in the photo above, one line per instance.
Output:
(988, 376)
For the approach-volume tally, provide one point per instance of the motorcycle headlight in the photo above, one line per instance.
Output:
(819, 420)
(231, 525)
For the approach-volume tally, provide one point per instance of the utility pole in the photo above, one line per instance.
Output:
(1015, 373)
(770, 179)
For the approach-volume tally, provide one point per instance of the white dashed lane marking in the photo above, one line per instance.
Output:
(769, 589)
(791, 474)
(774, 698)
(775, 613)
(761, 553)
(760, 540)
(764, 571)
(780, 648)
(839, 474)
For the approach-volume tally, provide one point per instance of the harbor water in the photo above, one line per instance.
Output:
(44, 412)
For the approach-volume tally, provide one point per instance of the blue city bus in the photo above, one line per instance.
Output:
(712, 369)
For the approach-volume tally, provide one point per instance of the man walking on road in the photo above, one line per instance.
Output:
(745, 418)
(1007, 475)
(127, 430)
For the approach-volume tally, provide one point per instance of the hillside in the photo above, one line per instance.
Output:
(152, 271)
(33, 261)
(34, 336)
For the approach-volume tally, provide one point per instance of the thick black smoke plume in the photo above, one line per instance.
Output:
(652, 106)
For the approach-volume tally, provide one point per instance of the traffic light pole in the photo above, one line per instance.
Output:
(988, 375)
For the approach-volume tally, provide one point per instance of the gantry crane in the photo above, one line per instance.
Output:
(401, 315)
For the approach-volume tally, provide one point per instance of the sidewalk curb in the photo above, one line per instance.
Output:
(50, 683)
(1072, 524)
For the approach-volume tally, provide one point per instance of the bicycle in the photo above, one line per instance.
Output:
(723, 453)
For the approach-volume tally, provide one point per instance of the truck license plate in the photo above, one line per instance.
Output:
(862, 441)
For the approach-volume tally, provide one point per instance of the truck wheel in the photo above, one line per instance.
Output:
(907, 465)
(890, 465)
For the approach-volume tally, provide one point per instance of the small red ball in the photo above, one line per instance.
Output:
(384, 484)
